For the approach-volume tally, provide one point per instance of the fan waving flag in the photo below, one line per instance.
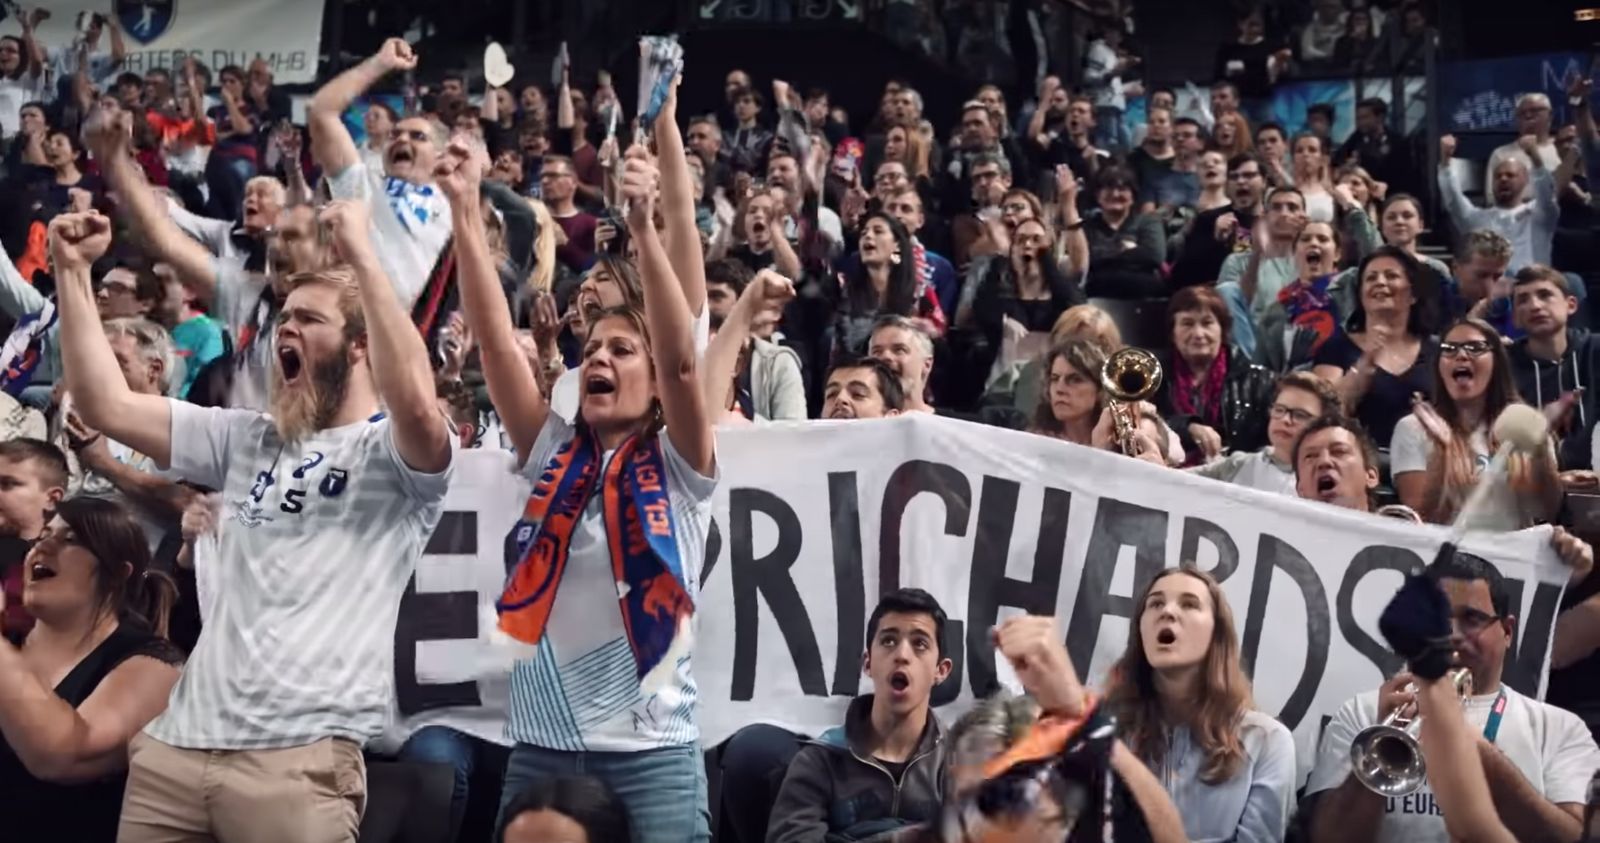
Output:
(20, 354)
(660, 62)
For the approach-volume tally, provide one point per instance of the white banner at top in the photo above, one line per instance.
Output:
(161, 33)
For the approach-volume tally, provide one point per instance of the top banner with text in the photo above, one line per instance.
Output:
(287, 34)
(814, 520)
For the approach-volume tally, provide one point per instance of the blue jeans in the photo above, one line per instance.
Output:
(664, 790)
(444, 745)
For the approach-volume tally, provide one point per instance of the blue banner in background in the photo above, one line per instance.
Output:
(1481, 95)
(1290, 100)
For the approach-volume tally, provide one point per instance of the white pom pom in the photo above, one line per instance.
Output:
(1523, 427)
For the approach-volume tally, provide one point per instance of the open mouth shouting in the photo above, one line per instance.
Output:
(1327, 485)
(402, 153)
(1166, 636)
(1463, 374)
(290, 363)
(1314, 258)
(597, 384)
(899, 682)
(40, 571)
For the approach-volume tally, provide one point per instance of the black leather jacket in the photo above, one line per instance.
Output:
(1246, 396)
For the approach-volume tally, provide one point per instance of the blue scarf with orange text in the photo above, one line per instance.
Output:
(654, 595)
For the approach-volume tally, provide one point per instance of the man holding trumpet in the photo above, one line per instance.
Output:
(1538, 759)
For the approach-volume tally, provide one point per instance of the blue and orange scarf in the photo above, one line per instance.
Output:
(641, 538)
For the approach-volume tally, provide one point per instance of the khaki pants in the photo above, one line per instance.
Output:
(306, 794)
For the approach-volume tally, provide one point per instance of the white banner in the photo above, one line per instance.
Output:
(161, 33)
(815, 519)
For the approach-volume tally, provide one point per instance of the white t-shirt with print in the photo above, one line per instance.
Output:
(565, 396)
(580, 690)
(316, 542)
(1550, 746)
(411, 225)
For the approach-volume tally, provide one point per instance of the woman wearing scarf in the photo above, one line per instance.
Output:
(1212, 396)
(1305, 317)
(615, 526)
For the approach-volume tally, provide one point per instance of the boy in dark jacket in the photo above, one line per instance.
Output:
(1553, 364)
(884, 769)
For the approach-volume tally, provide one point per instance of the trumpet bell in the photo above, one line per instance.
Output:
(1387, 760)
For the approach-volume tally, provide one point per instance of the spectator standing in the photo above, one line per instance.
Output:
(1104, 66)
(235, 158)
(1533, 119)
(1250, 280)
(1530, 224)
(1218, 234)
(558, 189)
(22, 77)
(1251, 62)
(1303, 316)
(1359, 50)
(1320, 37)
(1553, 364)
(1386, 156)
(749, 142)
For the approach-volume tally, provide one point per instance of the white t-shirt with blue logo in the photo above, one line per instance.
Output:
(411, 225)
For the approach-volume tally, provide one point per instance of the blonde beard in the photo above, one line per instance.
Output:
(311, 404)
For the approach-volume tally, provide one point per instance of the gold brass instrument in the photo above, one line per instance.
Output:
(1129, 376)
(1386, 758)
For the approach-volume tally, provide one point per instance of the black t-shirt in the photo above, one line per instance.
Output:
(1245, 65)
(757, 261)
(895, 768)
(1388, 398)
(78, 813)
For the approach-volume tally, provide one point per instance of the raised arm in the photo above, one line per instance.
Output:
(146, 212)
(142, 422)
(1454, 770)
(1455, 201)
(667, 316)
(677, 207)
(400, 366)
(119, 45)
(767, 292)
(331, 144)
(513, 387)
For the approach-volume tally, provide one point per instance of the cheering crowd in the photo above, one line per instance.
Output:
(247, 353)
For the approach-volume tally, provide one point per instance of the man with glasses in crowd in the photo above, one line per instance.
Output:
(1301, 399)
(1220, 232)
(558, 184)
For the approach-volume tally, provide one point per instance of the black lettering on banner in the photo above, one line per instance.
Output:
(910, 479)
(768, 577)
(1531, 636)
(1273, 552)
(713, 550)
(1367, 560)
(1117, 524)
(1196, 530)
(437, 616)
(990, 588)
(844, 518)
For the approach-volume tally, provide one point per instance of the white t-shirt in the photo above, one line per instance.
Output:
(1552, 747)
(14, 94)
(411, 225)
(90, 484)
(580, 690)
(565, 397)
(1410, 448)
(316, 544)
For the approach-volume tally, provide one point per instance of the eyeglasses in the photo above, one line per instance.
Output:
(122, 287)
(1470, 348)
(1290, 414)
(1472, 621)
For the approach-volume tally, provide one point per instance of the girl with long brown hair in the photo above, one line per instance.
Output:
(1183, 705)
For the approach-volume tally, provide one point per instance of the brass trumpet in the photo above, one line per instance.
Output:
(1129, 376)
(1385, 756)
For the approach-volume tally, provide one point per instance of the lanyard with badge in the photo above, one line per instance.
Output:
(1491, 729)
